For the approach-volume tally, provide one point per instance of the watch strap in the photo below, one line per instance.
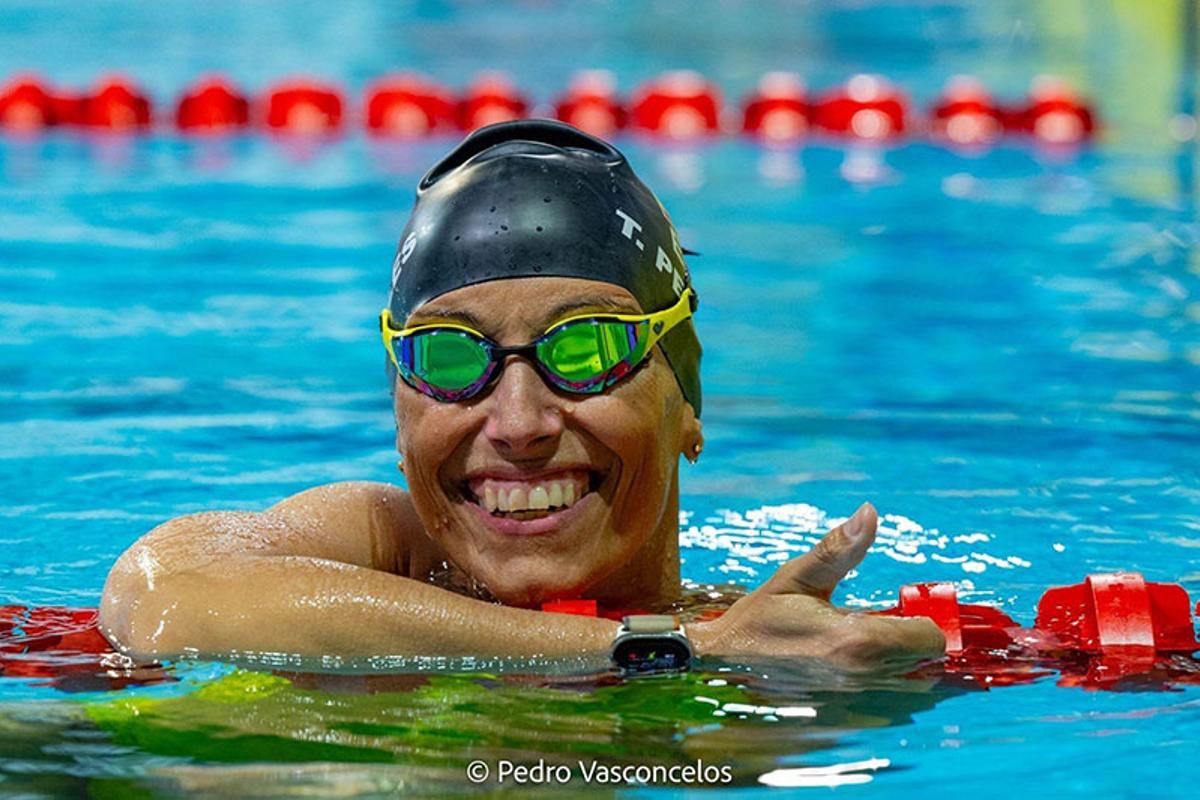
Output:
(650, 623)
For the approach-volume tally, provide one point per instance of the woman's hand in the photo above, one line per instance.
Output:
(790, 614)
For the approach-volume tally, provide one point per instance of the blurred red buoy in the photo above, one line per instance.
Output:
(26, 105)
(212, 105)
(867, 107)
(966, 114)
(490, 99)
(68, 108)
(778, 109)
(409, 105)
(677, 105)
(591, 104)
(303, 106)
(116, 104)
(1055, 113)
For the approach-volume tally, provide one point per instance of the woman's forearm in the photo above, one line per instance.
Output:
(317, 607)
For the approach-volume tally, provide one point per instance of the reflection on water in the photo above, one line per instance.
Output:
(424, 730)
(998, 348)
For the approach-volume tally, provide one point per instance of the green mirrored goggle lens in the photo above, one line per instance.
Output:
(449, 360)
(584, 353)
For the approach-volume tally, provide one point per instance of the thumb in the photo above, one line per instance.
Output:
(818, 571)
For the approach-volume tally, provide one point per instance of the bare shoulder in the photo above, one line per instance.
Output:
(359, 522)
(347, 500)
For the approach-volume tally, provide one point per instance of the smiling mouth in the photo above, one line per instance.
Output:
(534, 498)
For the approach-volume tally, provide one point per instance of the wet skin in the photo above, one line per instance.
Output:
(618, 542)
(361, 568)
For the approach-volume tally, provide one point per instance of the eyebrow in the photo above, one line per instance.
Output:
(564, 309)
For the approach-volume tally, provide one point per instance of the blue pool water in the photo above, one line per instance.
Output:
(1001, 350)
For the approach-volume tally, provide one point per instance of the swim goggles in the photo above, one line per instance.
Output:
(584, 354)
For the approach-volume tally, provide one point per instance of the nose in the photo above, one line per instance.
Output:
(524, 420)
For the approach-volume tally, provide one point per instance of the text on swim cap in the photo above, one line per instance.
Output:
(630, 226)
(402, 256)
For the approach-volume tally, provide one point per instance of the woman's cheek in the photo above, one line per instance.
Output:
(647, 452)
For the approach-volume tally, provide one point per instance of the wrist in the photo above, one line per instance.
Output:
(575, 635)
(702, 636)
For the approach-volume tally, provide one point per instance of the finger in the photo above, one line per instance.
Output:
(881, 639)
(818, 571)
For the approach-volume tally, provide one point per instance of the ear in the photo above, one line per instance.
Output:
(691, 434)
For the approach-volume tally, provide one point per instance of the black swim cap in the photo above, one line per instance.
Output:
(541, 198)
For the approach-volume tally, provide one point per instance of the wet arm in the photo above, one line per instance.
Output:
(298, 579)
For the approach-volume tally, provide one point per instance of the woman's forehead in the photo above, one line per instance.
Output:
(535, 301)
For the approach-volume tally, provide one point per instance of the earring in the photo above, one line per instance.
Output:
(400, 465)
(696, 448)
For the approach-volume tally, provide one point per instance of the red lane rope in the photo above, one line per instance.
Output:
(1100, 634)
(63, 647)
(673, 106)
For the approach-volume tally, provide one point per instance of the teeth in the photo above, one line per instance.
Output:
(541, 496)
(517, 500)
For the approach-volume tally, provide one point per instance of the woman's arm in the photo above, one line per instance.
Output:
(334, 571)
(316, 575)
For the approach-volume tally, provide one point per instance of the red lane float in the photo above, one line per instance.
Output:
(491, 98)
(1055, 113)
(1110, 628)
(115, 104)
(778, 110)
(212, 105)
(966, 114)
(63, 648)
(677, 105)
(965, 626)
(1119, 612)
(410, 106)
(591, 104)
(981, 641)
(27, 105)
(303, 106)
(69, 108)
(866, 107)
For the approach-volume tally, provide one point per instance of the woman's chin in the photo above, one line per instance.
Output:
(533, 587)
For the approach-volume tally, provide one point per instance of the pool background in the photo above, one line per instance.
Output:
(999, 350)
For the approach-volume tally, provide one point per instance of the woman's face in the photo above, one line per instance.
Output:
(607, 464)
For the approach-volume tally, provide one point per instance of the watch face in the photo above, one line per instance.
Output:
(651, 654)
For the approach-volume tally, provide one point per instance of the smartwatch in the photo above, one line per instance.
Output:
(651, 643)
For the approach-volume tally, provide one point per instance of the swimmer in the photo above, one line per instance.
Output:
(545, 382)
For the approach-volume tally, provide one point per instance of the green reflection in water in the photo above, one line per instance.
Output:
(277, 734)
